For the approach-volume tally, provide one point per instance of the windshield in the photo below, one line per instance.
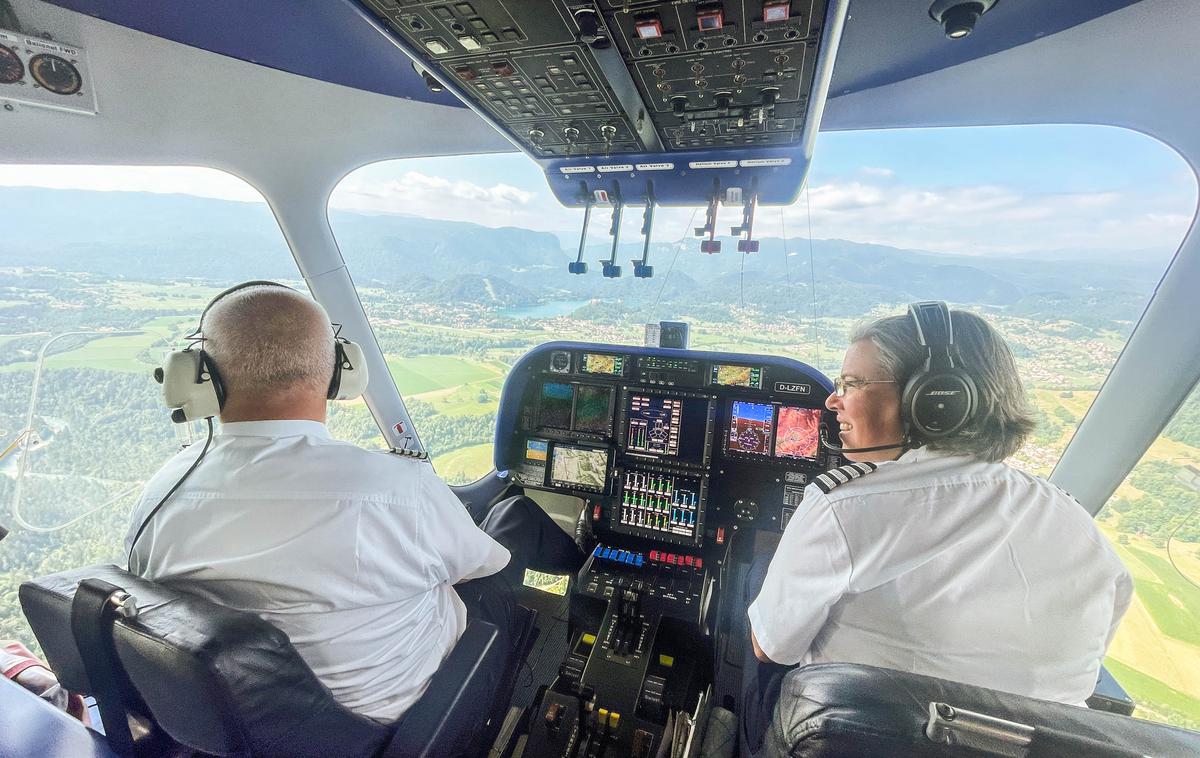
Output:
(461, 264)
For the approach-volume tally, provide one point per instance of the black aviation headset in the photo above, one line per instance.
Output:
(194, 390)
(192, 384)
(940, 397)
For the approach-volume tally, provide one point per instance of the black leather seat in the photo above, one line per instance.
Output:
(838, 709)
(226, 683)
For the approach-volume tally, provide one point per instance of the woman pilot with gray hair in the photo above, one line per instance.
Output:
(928, 553)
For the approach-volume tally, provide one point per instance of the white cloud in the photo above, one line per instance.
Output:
(886, 173)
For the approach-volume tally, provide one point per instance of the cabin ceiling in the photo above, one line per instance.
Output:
(886, 41)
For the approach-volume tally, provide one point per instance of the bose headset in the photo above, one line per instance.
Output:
(194, 390)
(939, 398)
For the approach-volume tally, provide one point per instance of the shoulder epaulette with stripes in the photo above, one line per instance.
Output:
(836, 477)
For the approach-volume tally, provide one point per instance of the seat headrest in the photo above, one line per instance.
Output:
(218, 680)
(833, 709)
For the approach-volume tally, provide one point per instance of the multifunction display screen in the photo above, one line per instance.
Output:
(554, 406)
(576, 407)
(750, 426)
(537, 451)
(797, 432)
(667, 426)
(595, 363)
(593, 408)
(736, 376)
(583, 468)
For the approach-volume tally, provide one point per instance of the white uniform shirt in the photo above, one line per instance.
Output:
(951, 567)
(351, 553)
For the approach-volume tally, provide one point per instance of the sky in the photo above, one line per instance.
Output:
(976, 191)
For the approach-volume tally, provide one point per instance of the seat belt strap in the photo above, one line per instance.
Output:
(95, 607)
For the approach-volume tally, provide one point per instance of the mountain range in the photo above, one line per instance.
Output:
(148, 236)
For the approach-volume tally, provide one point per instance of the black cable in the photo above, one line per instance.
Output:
(186, 474)
(678, 247)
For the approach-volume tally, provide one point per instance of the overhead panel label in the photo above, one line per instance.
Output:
(712, 164)
(615, 167)
(752, 162)
(655, 166)
(578, 169)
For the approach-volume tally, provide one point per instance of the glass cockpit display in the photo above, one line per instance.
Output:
(593, 408)
(736, 376)
(750, 426)
(670, 427)
(554, 405)
(596, 363)
(577, 467)
(797, 432)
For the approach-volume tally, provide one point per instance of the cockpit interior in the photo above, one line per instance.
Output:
(681, 464)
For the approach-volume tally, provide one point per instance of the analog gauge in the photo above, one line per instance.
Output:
(55, 74)
(11, 68)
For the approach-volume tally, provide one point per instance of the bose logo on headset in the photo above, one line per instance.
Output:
(192, 384)
(941, 377)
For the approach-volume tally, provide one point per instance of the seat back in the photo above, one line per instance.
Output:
(835, 709)
(217, 680)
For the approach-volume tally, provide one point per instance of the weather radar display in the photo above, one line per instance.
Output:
(797, 432)
(750, 428)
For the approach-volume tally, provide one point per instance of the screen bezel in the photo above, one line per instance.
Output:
(622, 432)
(583, 361)
(714, 368)
(727, 430)
(814, 458)
(612, 396)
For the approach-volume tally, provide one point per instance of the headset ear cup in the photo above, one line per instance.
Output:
(192, 385)
(939, 404)
(349, 371)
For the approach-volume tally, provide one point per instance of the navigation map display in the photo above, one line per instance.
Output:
(736, 376)
(593, 408)
(797, 432)
(554, 406)
(668, 426)
(750, 426)
(594, 363)
(579, 467)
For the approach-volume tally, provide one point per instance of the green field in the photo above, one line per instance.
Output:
(464, 465)
(130, 353)
(1171, 600)
(426, 373)
(1155, 700)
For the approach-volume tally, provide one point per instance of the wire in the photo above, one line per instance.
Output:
(186, 474)
(742, 280)
(678, 247)
(1171, 558)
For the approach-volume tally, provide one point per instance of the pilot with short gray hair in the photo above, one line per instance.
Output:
(927, 553)
(366, 560)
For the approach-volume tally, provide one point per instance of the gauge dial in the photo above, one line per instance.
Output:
(56, 74)
(11, 68)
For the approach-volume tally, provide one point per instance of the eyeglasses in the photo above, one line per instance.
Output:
(841, 384)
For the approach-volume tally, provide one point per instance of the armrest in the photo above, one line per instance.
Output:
(458, 701)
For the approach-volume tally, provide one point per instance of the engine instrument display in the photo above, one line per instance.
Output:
(654, 424)
(660, 504)
(750, 426)
(797, 432)
(610, 365)
(581, 468)
(736, 376)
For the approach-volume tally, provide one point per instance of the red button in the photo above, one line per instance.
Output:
(654, 555)
(690, 560)
(699, 563)
(720, 535)
(596, 513)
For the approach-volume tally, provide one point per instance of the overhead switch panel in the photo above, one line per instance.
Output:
(565, 78)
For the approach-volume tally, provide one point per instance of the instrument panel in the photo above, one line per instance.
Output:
(670, 447)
